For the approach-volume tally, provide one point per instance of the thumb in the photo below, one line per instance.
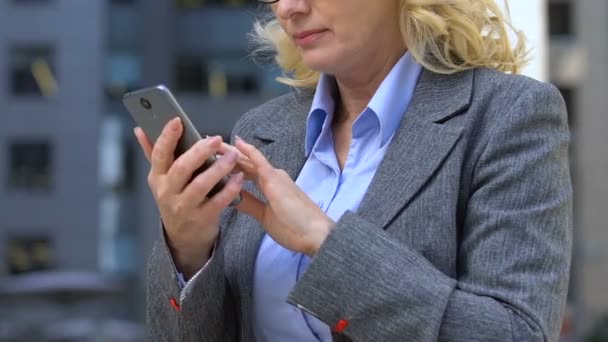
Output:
(251, 206)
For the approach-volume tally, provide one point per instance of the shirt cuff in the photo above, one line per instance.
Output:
(181, 280)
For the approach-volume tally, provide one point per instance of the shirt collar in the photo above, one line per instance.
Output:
(393, 97)
(388, 104)
(321, 110)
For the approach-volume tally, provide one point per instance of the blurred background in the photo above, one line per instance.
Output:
(76, 217)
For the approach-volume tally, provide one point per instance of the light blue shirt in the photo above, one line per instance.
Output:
(277, 269)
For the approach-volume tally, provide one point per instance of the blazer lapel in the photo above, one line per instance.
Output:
(420, 144)
(282, 142)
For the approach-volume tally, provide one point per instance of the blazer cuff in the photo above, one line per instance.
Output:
(182, 288)
(182, 282)
(362, 280)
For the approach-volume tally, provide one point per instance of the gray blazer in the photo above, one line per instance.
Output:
(464, 233)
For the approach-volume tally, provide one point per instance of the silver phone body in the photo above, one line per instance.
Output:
(152, 108)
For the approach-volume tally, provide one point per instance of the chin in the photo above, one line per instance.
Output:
(321, 61)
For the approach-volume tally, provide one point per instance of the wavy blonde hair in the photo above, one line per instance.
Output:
(444, 36)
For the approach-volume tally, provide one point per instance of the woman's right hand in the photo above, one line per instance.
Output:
(191, 220)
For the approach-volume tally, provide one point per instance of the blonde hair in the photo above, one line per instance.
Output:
(444, 36)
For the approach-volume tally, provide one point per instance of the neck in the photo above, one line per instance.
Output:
(357, 88)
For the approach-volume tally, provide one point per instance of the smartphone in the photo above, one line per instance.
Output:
(152, 108)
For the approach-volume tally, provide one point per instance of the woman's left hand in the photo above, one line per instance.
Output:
(291, 218)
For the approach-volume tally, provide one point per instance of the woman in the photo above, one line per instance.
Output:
(412, 188)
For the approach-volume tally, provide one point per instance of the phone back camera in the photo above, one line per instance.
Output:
(145, 103)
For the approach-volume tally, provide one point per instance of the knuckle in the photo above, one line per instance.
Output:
(266, 182)
(181, 166)
(227, 164)
(200, 149)
(214, 202)
(158, 155)
(178, 207)
(167, 131)
(151, 180)
(217, 202)
(272, 185)
(162, 140)
(281, 173)
(224, 197)
(162, 192)
(202, 152)
(201, 146)
(199, 182)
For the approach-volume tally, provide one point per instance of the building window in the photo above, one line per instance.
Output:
(560, 18)
(30, 165)
(191, 74)
(123, 73)
(30, 1)
(29, 254)
(190, 4)
(32, 71)
(240, 75)
(219, 76)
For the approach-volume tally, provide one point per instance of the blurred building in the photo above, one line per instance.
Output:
(578, 66)
(51, 57)
(73, 194)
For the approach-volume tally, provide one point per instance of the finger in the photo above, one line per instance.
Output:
(202, 184)
(224, 148)
(224, 198)
(164, 149)
(190, 161)
(243, 163)
(243, 159)
(227, 147)
(251, 206)
(248, 169)
(260, 164)
(144, 142)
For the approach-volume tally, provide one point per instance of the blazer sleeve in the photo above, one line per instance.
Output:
(514, 252)
(207, 309)
(202, 310)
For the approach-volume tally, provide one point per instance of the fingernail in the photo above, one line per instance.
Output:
(212, 140)
(135, 130)
(231, 156)
(238, 138)
(175, 124)
(240, 178)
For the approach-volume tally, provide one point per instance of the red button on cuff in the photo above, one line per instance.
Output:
(341, 325)
(175, 304)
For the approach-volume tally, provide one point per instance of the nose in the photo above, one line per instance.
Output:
(286, 9)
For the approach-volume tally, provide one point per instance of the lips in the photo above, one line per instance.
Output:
(304, 34)
(308, 37)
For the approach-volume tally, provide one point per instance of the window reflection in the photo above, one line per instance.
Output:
(30, 165)
(29, 254)
(218, 75)
(31, 69)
